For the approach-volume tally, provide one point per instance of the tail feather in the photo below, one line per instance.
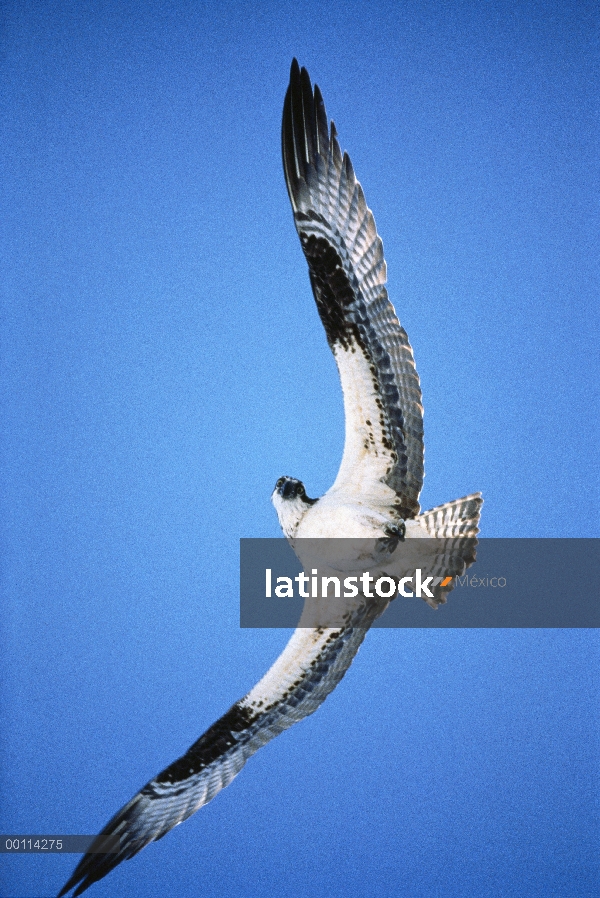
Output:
(458, 518)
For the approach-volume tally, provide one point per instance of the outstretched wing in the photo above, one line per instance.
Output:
(382, 396)
(309, 668)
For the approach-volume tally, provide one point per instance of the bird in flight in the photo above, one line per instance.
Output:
(375, 494)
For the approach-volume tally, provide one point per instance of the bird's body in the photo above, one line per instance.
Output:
(374, 498)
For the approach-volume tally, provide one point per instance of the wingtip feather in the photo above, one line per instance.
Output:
(304, 132)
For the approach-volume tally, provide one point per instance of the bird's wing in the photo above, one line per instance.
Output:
(309, 668)
(382, 396)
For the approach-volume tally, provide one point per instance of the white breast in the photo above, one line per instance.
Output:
(337, 516)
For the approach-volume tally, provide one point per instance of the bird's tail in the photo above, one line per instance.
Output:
(458, 518)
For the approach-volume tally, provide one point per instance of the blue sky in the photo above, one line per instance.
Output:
(163, 364)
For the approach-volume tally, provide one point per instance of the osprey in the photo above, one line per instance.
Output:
(375, 495)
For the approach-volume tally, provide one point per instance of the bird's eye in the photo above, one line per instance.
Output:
(301, 490)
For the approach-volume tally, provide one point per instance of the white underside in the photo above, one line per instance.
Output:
(304, 647)
(359, 504)
(366, 461)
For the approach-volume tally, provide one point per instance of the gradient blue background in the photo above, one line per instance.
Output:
(163, 363)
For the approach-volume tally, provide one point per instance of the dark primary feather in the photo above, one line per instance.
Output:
(348, 273)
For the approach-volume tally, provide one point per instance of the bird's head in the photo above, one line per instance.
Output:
(291, 503)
